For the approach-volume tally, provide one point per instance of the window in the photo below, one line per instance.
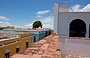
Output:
(27, 44)
(17, 49)
(7, 53)
(34, 39)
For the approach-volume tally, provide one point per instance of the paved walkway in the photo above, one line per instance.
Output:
(49, 47)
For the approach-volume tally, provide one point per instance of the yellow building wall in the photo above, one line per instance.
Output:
(11, 44)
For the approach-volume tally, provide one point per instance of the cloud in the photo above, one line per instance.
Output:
(4, 24)
(47, 22)
(17, 26)
(77, 8)
(48, 19)
(42, 12)
(3, 18)
(29, 25)
(38, 16)
(86, 8)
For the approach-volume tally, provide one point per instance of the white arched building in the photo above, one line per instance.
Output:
(74, 24)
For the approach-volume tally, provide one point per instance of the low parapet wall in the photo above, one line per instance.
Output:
(75, 46)
(10, 45)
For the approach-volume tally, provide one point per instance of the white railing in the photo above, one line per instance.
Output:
(75, 46)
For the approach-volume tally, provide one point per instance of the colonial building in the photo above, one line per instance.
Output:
(73, 24)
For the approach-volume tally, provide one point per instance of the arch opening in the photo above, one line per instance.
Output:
(77, 28)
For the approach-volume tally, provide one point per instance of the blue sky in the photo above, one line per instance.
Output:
(22, 13)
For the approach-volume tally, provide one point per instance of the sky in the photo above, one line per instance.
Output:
(22, 13)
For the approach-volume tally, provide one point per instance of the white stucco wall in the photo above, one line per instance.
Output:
(56, 10)
(63, 7)
(62, 19)
(65, 18)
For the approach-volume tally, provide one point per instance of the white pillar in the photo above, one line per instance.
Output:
(56, 11)
(87, 30)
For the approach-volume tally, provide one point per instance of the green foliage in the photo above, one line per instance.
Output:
(37, 24)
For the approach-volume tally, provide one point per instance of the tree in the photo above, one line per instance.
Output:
(37, 24)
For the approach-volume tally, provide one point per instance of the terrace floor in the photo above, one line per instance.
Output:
(49, 47)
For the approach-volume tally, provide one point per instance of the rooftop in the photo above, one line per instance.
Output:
(46, 48)
(49, 47)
